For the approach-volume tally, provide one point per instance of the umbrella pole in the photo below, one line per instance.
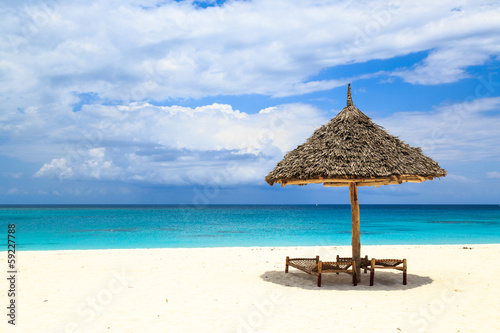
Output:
(356, 243)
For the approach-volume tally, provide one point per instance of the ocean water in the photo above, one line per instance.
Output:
(122, 227)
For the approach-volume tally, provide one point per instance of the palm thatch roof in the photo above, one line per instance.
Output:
(352, 148)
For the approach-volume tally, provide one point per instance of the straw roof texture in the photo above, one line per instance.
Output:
(351, 148)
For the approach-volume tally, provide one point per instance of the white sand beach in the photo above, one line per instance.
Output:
(451, 288)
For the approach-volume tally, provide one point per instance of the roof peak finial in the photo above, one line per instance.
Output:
(349, 97)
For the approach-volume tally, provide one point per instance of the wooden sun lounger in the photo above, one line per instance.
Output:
(387, 264)
(314, 266)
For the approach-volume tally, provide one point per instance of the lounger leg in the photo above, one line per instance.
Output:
(319, 280)
(404, 271)
(372, 271)
(286, 264)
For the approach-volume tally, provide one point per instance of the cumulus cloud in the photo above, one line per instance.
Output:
(93, 164)
(174, 145)
(147, 50)
(215, 144)
(114, 62)
(458, 132)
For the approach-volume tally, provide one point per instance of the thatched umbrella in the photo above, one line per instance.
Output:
(353, 151)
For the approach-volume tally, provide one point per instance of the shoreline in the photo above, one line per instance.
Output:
(245, 289)
(238, 204)
(252, 246)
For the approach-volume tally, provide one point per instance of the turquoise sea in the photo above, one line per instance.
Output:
(121, 227)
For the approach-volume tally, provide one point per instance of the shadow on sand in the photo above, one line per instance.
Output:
(383, 281)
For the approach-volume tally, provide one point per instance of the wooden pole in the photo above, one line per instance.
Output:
(356, 234)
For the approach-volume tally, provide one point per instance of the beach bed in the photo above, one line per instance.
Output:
(314, 266)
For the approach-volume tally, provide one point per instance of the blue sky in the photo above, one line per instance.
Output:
(194, 102)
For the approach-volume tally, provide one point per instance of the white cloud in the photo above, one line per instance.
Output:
(444, 65)
(493, 174)
(15, 175)
(215, 144)
(16, 191)
(52, 53)
(13, 191)
(212, 144)
(458, 132)
(468, 36)
(92, 164)
(460, 178)
(57, 167)
(143, 50)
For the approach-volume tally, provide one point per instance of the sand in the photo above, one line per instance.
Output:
(451, 288)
